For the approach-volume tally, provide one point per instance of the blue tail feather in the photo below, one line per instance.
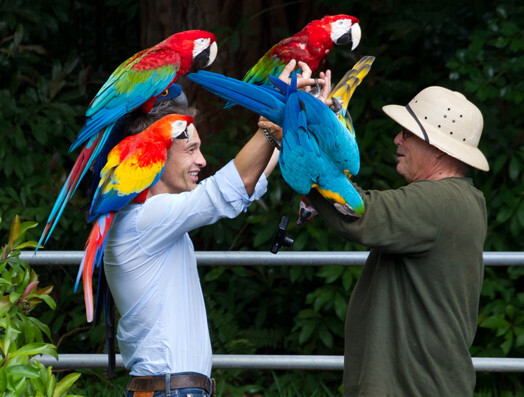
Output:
(67, 191)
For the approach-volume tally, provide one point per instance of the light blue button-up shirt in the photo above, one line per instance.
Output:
(151, 269)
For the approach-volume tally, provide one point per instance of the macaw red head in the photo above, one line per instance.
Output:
(342, 29)
(193, 46)
(174, 126)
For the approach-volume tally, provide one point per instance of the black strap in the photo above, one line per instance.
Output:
(410, 111)
(104, 300)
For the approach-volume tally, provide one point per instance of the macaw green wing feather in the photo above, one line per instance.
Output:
(127, 83)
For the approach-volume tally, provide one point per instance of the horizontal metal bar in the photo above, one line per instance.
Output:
(255, 258)
(265, 258)
(268, 362)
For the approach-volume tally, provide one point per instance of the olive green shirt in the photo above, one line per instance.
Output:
(412, 316)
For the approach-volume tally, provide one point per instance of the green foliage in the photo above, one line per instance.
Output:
(38, 107)
(53, 60)
(21, 335)
(490, 68)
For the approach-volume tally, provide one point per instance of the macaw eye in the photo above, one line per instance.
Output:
(164, 93)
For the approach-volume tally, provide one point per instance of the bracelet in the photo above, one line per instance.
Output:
(271, 138)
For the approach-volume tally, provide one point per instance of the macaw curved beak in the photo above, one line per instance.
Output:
(208, 55)
(351, 36)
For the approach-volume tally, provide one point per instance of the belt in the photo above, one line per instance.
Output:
(158, 383)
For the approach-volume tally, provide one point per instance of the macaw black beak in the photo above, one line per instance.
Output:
(344, 39)
(351, 36)
(208, 55)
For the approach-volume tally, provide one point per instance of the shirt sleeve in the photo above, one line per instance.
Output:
(165, 217)
(404, 220)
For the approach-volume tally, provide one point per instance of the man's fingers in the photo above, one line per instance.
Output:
(326, 87)
(306, 70)
(286, 72)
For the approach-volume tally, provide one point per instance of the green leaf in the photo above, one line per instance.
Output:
(495, 322)
(308, 313)
(514, 168)
(330, 273)
(65, 384)
(41, 326)
(33, 349)
(215, 273)
(16, 228)
(23, 371)
(340, 307)
(51, 382)
(27, 244)
(46, 298)
(306, 332)
(326, 337)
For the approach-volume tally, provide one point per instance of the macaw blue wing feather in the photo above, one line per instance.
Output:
(261, 100)
(318, 150)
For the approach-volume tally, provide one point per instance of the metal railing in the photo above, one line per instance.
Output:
(283, 258)
(256, 258)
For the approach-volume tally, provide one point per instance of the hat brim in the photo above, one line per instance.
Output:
(466, 153)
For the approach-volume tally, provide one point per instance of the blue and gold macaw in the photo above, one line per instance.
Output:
(318, 150)
(341, 95)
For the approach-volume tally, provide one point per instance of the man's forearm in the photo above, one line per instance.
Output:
(253, 159)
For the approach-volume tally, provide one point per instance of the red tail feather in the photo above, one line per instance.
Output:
(92, 256)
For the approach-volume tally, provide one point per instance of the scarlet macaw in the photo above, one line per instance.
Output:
(132, 166)
(311, 45)
(134, 84)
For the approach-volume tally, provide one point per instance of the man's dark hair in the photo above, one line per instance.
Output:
(138, 122)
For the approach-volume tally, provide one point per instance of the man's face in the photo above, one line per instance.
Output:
(416, 159)
(184, 162)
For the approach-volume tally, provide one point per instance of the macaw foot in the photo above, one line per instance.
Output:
(346, 210)
(316, 89)
(336, 106)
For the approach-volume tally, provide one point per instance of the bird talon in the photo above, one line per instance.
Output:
(315, 91)
(336, 107)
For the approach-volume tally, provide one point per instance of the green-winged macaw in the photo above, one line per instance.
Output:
(133, 85)
(133, 166)
(311, 45)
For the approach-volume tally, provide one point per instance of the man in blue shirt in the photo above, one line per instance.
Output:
(150, 261)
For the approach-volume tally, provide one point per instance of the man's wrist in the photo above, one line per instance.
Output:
(271, 139)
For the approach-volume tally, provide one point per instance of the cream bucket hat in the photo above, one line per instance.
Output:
(444, 119)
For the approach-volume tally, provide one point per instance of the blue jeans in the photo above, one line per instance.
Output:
(188, 392)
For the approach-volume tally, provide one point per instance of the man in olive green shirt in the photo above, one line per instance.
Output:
(412, 316)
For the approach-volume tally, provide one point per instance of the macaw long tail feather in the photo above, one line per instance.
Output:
(93, 253)
(263, 100)
(86, 157)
